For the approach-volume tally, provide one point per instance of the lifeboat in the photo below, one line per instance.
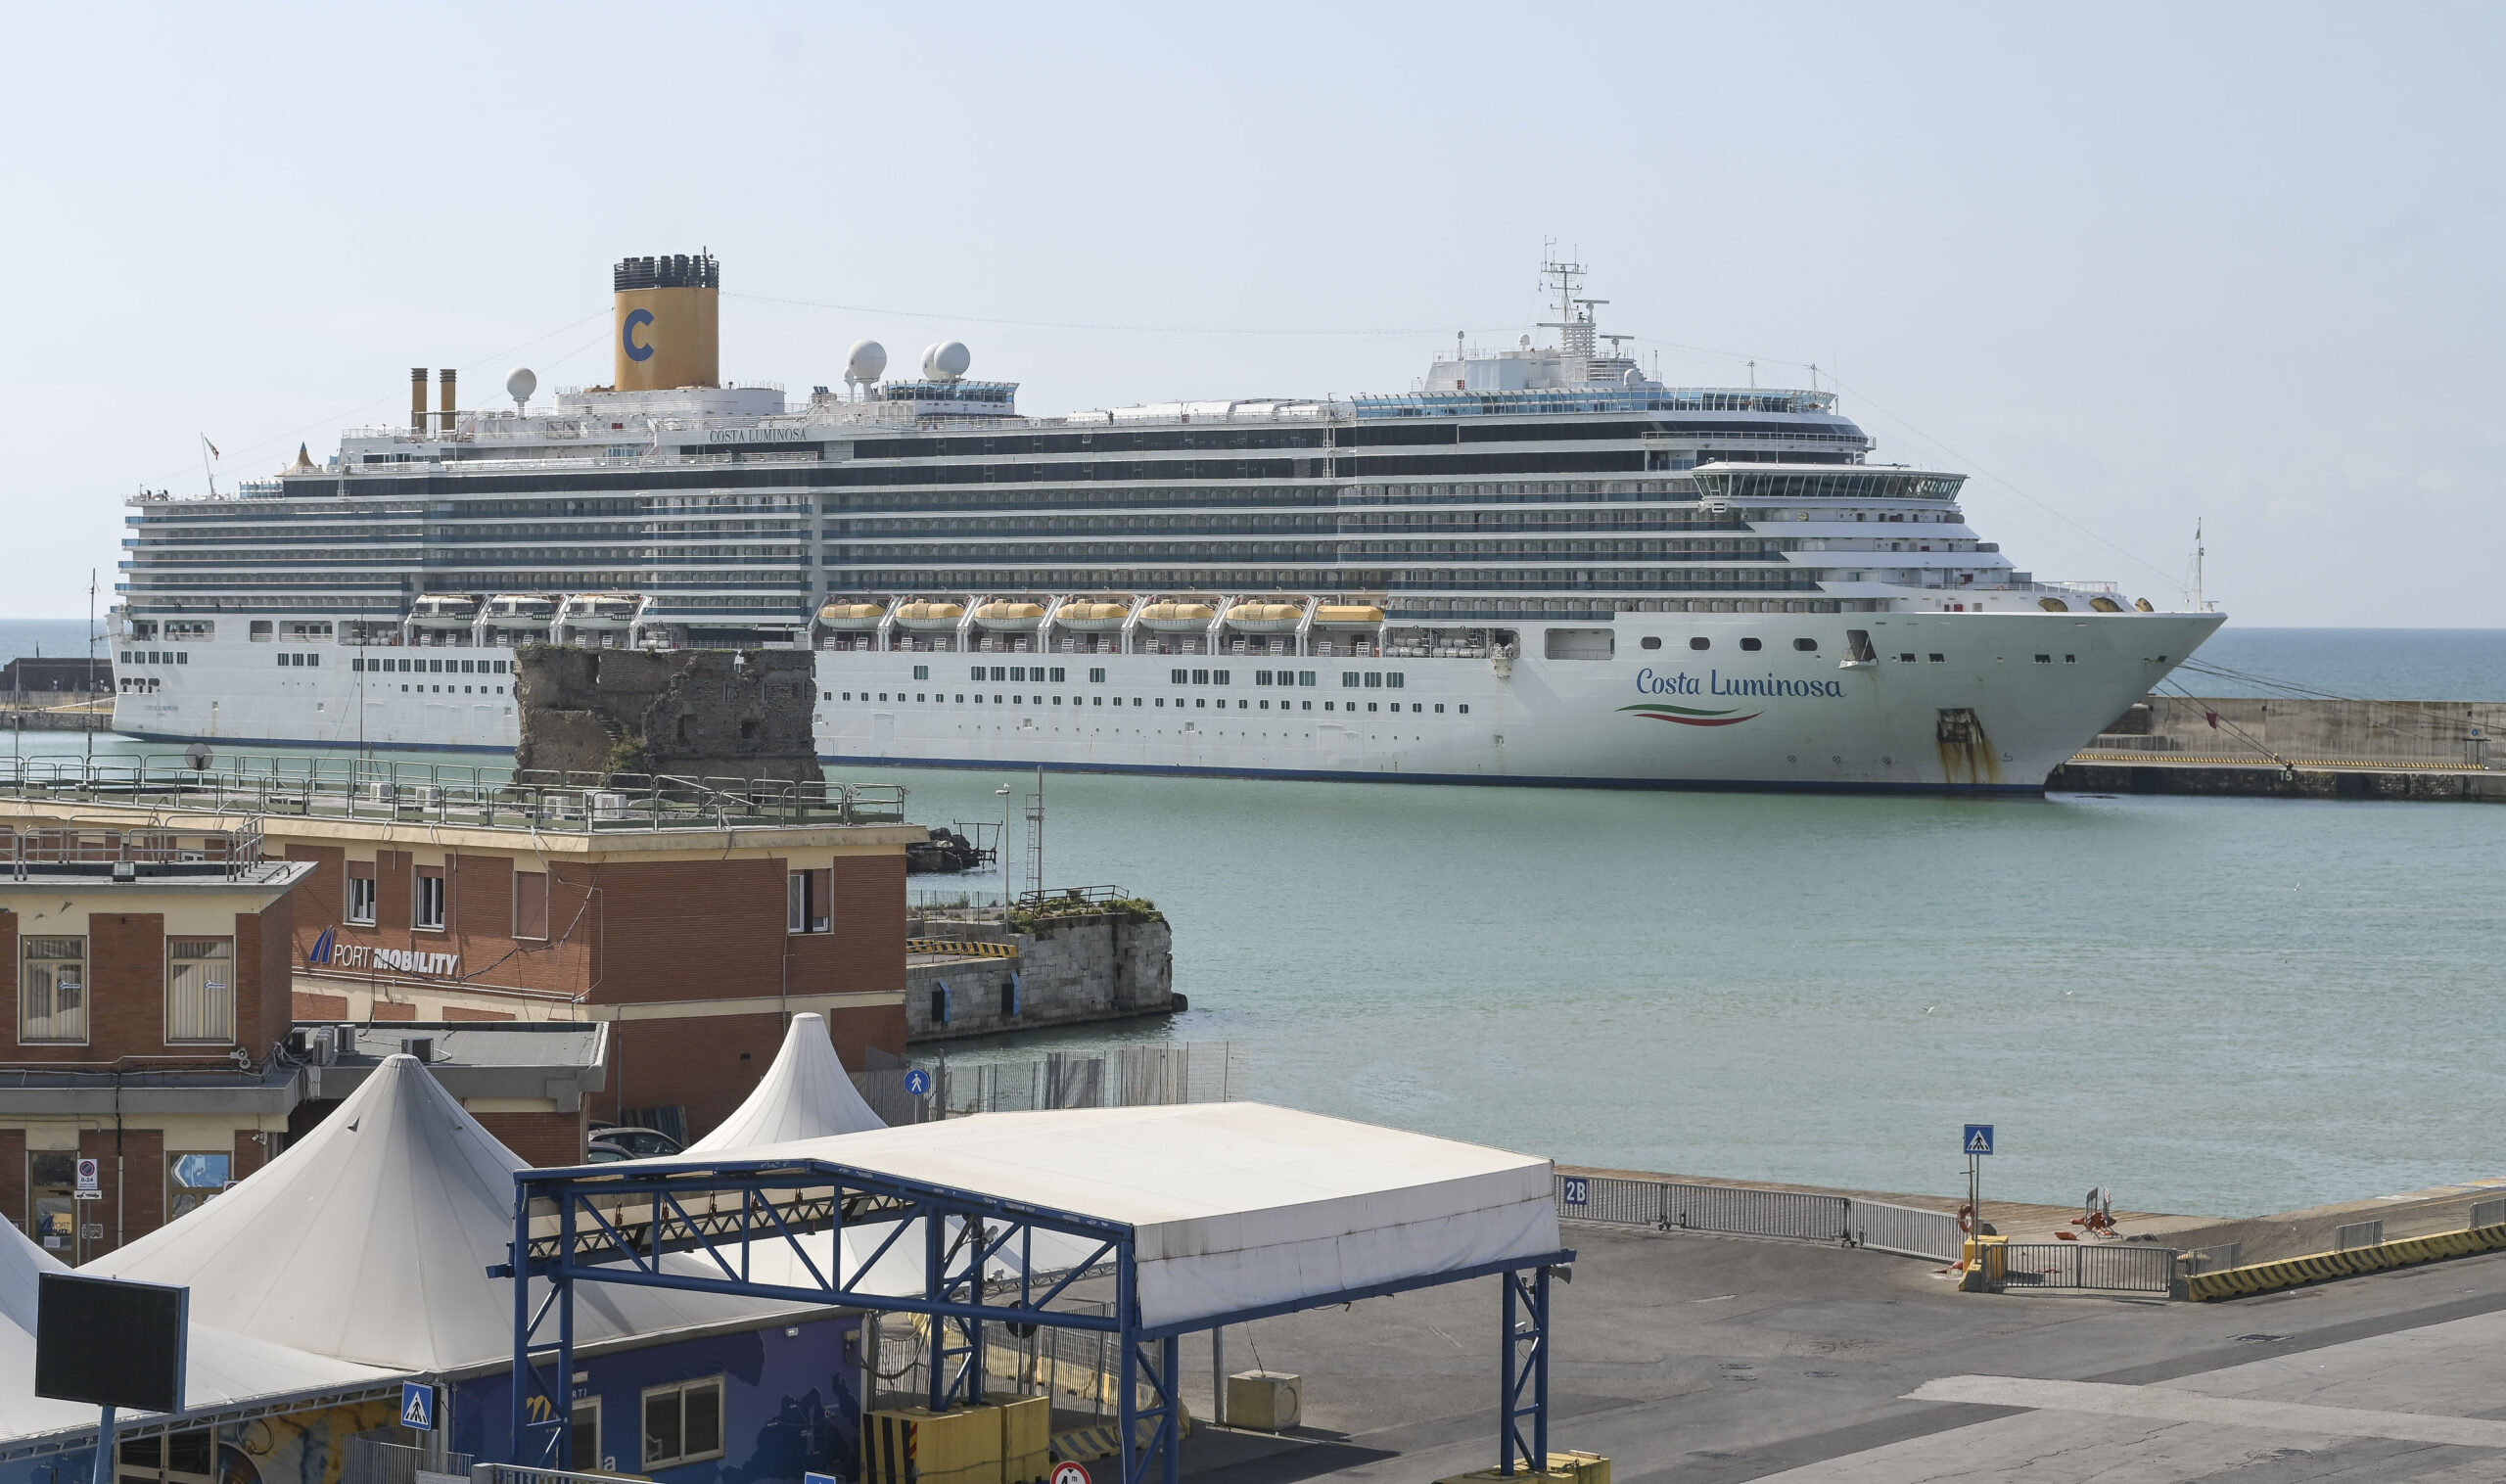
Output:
(2106, 605)
(853, 617)
(2053, 605)
(447, 610)
(1171, 616)
(931, 617)
(1266, 617)
(1002, 615)
(511, 608)
(600, 610)
(2143, 604)
(1348, 615)
(1092, 618)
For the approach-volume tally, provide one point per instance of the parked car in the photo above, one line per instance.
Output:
(638, 1142)
(601, 1151)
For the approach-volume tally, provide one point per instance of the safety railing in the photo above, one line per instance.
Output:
(1732, 1210)
(446, 794)
(2358, 1234)
(2104, 1266)
(1124, 1077)
(1909, 1230)
(2210, 1259)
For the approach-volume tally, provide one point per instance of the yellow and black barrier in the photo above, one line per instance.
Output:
(2292, 1272)
(963, 949)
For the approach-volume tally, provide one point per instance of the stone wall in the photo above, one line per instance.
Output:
(2418, 733)
(1071, 970)
(689, 713)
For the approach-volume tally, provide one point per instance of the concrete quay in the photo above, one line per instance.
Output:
(2092, 774)
(1708, 1359)
(2270, 747)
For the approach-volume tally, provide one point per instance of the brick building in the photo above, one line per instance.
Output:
(695, 935)
(148, 973)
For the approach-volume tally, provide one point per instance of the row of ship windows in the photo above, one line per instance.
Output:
(434, 667)
(1351, 679)
(1201, 702)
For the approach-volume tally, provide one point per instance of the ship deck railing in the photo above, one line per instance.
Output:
(455, 795)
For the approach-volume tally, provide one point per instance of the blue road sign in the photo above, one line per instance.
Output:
(1978, 1139)
(417, 1405)
(1578, 1190)
(820, 1478)
(917, 1082)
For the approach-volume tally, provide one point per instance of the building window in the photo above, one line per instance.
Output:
(360, 902)
(426, 907)
(683, 1424)
(586, 1437)
(200, 988)
(191, 1180)
(186, 1458)
(805, 902)
(52, 990)
(52, 1209)
(531, 903)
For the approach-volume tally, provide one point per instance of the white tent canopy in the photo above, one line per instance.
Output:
(370, 1240)
(221, 1368)
(1234, 1207)
(805, 1094)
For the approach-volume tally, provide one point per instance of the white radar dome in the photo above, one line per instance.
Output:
(866, 362)
(520, 382)
(947, 361)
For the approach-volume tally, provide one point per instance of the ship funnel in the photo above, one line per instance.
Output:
(446, 401)
(668, 331)
(418, 400)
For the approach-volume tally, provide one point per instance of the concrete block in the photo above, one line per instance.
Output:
(1587, 1468)
(1264, 1401)
(1026, 1437)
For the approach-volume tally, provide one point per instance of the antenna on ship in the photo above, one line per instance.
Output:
(2200, 605)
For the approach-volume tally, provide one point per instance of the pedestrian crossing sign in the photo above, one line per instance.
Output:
(417, 1405)
(1979, 1139)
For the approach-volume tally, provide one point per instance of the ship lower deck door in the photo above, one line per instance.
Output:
(883, 728)
(1338, 745)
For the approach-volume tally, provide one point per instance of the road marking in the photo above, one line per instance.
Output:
(2174, 1405)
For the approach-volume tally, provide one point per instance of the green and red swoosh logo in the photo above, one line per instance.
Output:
(1686, 716)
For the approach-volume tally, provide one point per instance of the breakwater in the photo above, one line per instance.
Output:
(2296, 749)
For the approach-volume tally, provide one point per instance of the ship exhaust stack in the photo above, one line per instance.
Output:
(418, 400)
(446, 400)
(668, 332)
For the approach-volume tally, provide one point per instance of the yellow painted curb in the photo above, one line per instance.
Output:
(2291, 1271)
(961, 950)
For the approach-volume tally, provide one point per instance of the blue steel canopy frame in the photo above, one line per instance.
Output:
(609, 1224)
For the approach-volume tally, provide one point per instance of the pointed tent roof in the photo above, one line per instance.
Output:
(303, 463)
(805, 1094)
(369, 1240)
(221, 1369)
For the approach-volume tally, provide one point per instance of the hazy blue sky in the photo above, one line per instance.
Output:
(2127, 265)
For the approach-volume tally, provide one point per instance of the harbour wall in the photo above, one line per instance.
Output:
(2247, 746)
(1068, 969)
(2339, 733)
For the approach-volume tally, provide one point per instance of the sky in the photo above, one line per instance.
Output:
(2130, 267)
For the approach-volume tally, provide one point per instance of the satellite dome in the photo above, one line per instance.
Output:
(947, 361)
(520, 382)
(1631, 378)
(866, 362)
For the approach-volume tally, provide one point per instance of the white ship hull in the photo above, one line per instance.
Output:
(1671, 717)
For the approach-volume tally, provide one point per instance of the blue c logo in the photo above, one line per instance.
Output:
(635, 320)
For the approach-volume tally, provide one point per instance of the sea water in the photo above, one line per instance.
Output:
(2216, 1005)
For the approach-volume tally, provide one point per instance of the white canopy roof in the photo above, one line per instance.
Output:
(805, 1094)
(370, 1240)
(1233, 1206)
(221, 1369)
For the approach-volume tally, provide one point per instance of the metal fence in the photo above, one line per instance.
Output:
(1735, 1209)
(2215, 1259)
(1909, 1230)
(1081, 1369)
(372, 1461)
(2358, 1234)
(2487, 1213)
(2110, 1267)
(1122, 1076)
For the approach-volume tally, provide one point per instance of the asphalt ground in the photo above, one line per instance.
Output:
(1697, 1357)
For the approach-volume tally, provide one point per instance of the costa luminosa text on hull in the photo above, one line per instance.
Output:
(1535, 566)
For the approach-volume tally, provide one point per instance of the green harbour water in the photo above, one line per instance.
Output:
(2214, 1005)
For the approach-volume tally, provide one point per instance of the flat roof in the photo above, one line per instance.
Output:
(1236, 1208)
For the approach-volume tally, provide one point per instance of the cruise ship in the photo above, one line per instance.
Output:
(1537, 564)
